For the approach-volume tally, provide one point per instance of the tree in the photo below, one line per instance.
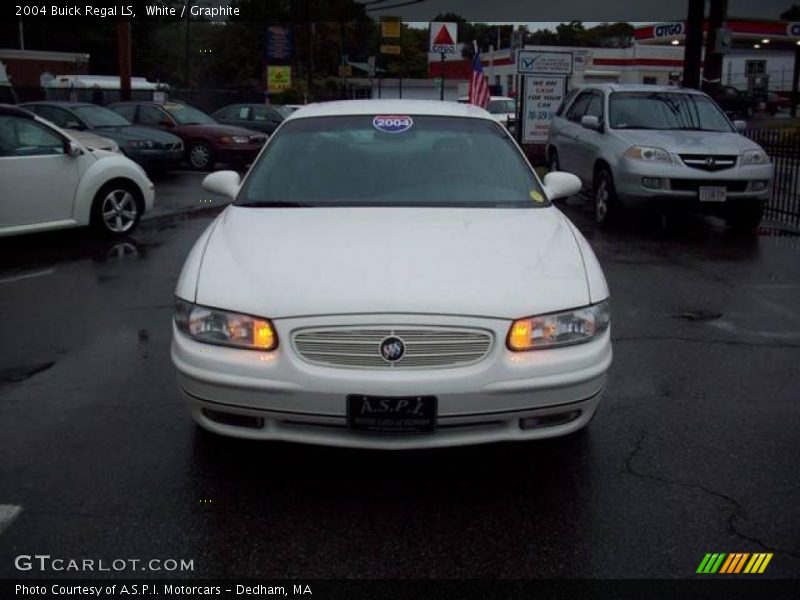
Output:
(791, 14)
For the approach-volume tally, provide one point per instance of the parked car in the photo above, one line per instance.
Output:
(149, 148)
(502, 109)
(776, 103)
(258, 117)
(207, 141)
(51, 181)
(419, 290)
(635, 145)
(736, 103)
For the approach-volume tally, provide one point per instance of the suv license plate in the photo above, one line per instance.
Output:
(712, 194)
(391, 415)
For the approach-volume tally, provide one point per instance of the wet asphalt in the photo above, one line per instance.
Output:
(695, 448)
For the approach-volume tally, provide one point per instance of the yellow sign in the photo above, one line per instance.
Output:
(345, 71)
(390, 27)
(390, 49)
(279, 78)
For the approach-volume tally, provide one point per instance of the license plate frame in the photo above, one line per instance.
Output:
(392, 415)
(712, 193)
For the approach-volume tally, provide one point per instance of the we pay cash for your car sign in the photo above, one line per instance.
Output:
(545, 76)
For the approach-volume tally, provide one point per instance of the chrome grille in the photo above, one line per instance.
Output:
(709, 162)
(359, 347)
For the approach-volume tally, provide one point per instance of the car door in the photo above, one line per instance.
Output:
(570, 130)
(39, 177)
(588, 141)
(264, 119)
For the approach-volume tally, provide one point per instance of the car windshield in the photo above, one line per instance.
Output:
(665, 110)
(188, 115)
(98, 117)
(283, 111)
(366, 160)
(501, 106)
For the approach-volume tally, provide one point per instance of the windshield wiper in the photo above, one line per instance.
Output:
(276, 204)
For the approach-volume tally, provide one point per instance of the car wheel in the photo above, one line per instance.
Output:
(747, 217)
(201, 156)
(117, 208)
(606, 205)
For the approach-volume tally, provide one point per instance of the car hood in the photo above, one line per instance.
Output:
(218, 130)
(133, 132)
(283, 262)
(689, 142)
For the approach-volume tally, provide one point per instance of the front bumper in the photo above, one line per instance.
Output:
(678, 184)
(283, 397)
(239, 153)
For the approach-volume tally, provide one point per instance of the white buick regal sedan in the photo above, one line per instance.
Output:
(392, 274)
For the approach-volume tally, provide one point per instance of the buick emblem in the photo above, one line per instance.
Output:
(393, 349)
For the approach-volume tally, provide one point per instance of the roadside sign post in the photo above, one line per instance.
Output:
(444, 40)
(543, 83)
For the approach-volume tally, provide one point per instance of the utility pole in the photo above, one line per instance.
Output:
(186, 48)
(124, 58)
(694, 44)
(21, 35)
(796, 79)
(712, 69)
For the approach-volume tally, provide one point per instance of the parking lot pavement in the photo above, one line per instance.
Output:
(694, 449)
(181, 191)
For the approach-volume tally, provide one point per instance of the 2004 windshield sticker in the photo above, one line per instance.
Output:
(392, 123)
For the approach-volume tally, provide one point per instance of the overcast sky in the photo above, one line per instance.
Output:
(568, 10)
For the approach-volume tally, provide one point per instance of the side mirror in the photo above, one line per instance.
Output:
(740, 125)
(561, 185)
(224, 183)
(73, 148)
(590, 122)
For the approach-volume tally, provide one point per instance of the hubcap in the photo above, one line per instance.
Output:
(601, 200)
(200, 155)
(119, 211)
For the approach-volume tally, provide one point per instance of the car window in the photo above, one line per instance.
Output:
(565, 102)
(99, 116)
(231, 112)
(151, 115)
(265, 113)
(595, 107)
(498, 107)
(187, 115)
(126, 110)
(25, 137)
(578, 108)
(666, 111)
(56, 115)
(366, 160)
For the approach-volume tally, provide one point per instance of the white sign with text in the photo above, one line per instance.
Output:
(543, 95)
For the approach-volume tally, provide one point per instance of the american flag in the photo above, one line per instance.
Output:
(478, 88)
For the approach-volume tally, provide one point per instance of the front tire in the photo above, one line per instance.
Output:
(117, 208)
(201, 156)
(606, 203)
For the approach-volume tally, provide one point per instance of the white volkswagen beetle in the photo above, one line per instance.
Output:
(49, 180)
(392, 274)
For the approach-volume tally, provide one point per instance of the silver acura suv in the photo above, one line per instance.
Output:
(646, 144)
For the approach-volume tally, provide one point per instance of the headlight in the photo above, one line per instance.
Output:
(140, 143)
(214, 326)
(234, 139)
(754, 157)
(559, 329)
(648, 153)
